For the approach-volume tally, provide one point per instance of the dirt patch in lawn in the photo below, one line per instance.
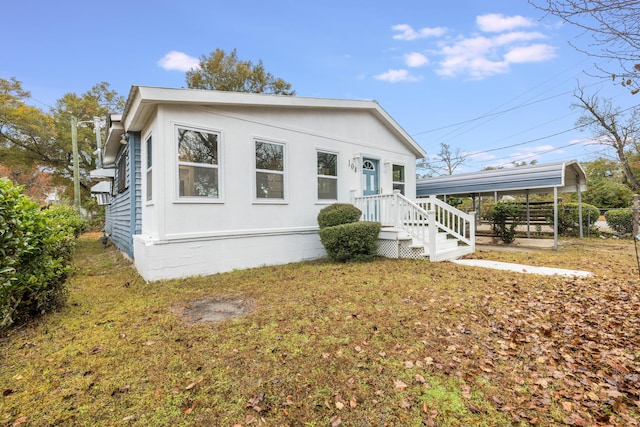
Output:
(214, 310)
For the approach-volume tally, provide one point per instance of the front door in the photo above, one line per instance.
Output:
(371, 177)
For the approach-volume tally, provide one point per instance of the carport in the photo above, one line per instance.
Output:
(559, 177)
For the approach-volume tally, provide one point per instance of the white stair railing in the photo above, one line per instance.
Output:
(458, 224)
(421, 220)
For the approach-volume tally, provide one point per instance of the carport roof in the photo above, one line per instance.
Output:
(565, 176)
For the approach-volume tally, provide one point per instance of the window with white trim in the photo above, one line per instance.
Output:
(198, 163)
(327, 168)
(122, 171)
(149, 168)
(270, 171)
(398, 178)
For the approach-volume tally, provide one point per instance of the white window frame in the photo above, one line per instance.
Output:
(148, 143)
(218, 167)
(334, 177)
(404, 174)
(284, 172)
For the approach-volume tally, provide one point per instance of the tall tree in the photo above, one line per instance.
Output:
(606, 185)
(614, 27)
(613, 128)
(222, 71)
(30, 137)
(445, 162)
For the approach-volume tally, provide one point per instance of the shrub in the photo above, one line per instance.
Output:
(355, 241)
(568, 219)
(620, 220)
(35, 252)
(505, 217)
(337, 214)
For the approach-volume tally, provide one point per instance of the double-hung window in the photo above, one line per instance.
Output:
(122, 178)
(198, 163)
(270, 170)
(149, 169)
(398, 178)
(327, 168)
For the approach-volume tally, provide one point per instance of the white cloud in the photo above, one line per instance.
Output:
(504, 41)
(480, 57)
(408, 33)
(395, 76)
(415, 59)
(533, 53)
(180, 61)
(517, 37)
(497, 22)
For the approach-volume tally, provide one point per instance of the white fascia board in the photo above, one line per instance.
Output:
(143, 100)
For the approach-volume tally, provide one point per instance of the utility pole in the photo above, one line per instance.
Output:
(97, 124)
(76, 163)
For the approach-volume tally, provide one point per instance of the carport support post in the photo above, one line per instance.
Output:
(555, 218)
(528, 217)
(580, 205)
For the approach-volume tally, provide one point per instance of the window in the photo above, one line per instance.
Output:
(149, 168)
(327, 166)
(123, 171)
(198, 163)
(269, 170)
(398, 178)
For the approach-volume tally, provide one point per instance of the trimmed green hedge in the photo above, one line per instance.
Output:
(620, 220)
(356, 241)
(568, 219)
(337, 214)
(35, 253)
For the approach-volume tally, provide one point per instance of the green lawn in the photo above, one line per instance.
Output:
(391, 342)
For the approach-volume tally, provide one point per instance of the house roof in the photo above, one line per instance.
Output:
(143, 100)
(565, 176)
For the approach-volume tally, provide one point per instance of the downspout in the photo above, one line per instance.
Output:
(134, 141)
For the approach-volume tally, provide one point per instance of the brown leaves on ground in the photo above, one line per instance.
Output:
(392, 342)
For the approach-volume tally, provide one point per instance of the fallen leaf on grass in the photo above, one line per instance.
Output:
(465, 391)
(20, 421)
(400, 384)
(193, 384)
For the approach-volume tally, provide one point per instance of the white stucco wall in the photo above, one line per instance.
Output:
(237, 230)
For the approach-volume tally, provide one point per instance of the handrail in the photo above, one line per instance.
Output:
(416, 217)
(451, 219)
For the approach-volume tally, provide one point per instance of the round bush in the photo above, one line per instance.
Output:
(505, 217)
(356, 241)
(337, 214)
(620, 220)
(568, 218)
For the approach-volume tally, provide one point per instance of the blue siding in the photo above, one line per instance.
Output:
(124, 214)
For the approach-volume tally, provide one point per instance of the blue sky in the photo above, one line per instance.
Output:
(490, 78)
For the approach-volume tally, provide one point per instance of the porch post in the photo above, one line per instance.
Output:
(432, 229)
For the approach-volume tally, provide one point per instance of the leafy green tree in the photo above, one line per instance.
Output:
(222, 71)
(32, 138)
(606, 185)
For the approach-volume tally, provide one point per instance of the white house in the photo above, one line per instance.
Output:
(209, 181)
